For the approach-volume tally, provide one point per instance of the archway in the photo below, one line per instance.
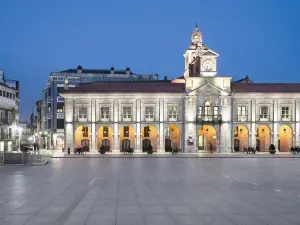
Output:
(105, 138)
(149, 137)
(127, 138)
(207, 135)
(263, 138)
(82, 138)
(241, 138)
(285, 138)
(172, 139)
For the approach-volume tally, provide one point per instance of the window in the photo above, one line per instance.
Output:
(10, 95)
(85, 131)
(82, 113)
(200, 111)
(105, 131)
(49, 91)
(2, 132)
(9, 116)
(126, 131)
(242, 113)
(285, 113)
(126, 113)
(264, 113)
(147, 131)
(0, 92)
(2, 116)
(49, 124)
(207, 109)
(172, 113)
(60, 124)
(104, 113)
(4, 94)
(7, 94)
(149, 113)
(14, 96)
(60, 107)
(9, 133)
(49, 107)
(216, 112)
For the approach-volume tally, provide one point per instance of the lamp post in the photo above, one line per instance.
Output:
(241, 131)
(263, 132)
(206, 139)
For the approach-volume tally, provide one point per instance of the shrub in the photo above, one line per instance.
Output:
(150, 149)
(102, 150)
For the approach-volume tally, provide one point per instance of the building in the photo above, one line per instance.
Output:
(51, 134)
(199, 111)
(9, 113)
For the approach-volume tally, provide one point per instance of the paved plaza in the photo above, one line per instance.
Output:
(152, 191)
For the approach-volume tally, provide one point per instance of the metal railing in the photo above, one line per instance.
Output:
(209, 118)
(21, 158)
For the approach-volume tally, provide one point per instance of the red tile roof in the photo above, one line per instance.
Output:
(265, 87)
(127, 88)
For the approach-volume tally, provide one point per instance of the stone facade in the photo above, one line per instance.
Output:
(209, 113)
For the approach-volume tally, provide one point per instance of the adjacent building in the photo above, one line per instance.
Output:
(9, 113)
(199, 111)
(51, 132)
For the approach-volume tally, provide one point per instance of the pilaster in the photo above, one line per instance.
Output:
(116, 132)
(138, 126)
(161, 148)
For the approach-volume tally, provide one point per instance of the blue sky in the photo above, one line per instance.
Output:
(253, 37)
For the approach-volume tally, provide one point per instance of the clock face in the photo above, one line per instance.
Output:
(208, 65)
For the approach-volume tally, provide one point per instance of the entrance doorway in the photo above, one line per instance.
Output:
(82, 138)
(285, 138)
(263, 138)
(240, 138)
(207, 136)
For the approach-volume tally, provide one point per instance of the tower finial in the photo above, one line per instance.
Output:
(196, 24)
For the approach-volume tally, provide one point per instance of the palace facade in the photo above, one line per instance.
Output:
(190, 113)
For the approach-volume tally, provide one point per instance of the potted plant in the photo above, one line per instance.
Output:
(251, 150)
(272, 149)
(102, 150)
(150, 149)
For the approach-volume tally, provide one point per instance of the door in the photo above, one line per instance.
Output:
(125, 144)
(201, 144)
(85, 145)
(236, 145)
(257, 145)
(168, 145)
(106, 144)
(146, 143)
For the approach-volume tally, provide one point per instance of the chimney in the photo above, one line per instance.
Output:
(112, 70)
(79, 69)
(128, 71)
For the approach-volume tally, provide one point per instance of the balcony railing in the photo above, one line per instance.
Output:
(264, 117)
(286, 117)
(209, 118)
(242, 118)
(81, 118)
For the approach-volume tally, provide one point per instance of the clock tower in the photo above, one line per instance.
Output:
(200, 61)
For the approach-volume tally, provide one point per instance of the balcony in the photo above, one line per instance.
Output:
(286, 117)
(264, 118)
(209, 118)
(242, 118)
(81, 118)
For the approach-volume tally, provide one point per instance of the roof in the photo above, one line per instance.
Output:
(128, 87)
(244, 80)
(105, 71)
(265, 87)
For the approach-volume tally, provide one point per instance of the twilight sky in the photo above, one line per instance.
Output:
(259, 38)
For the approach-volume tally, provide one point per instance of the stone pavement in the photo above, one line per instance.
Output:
(167, 191)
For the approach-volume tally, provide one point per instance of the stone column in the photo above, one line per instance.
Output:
(252, 127)
(161, 148)
(275, 124)
(93, 126)
(116, 132)
(138, 127)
